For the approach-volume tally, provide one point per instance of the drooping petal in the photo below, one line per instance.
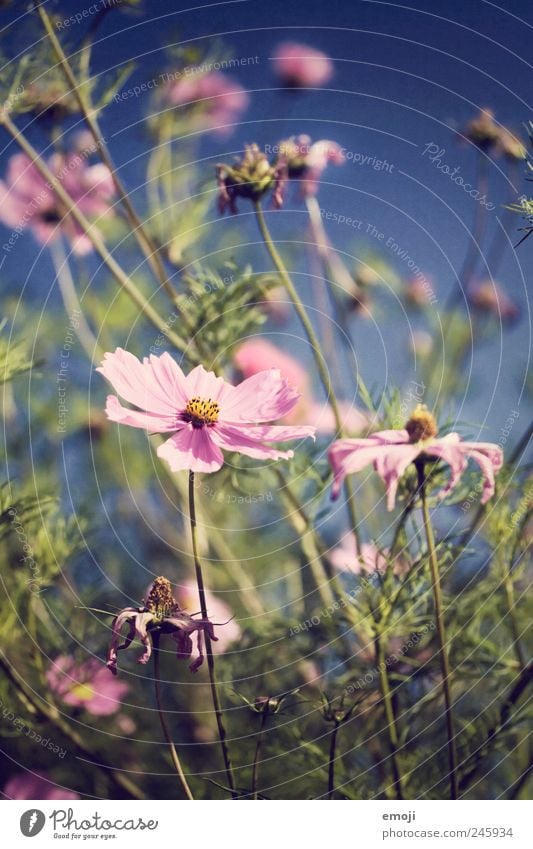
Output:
(141, 621)
(347, 456)
(136, 383)
(449, 449)
(126, 615)
(152, 422)
(390, 464)
(489, 458)
(264, 397)
(193, 449)
(248, 440)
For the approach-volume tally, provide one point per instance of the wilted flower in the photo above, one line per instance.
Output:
(209, 101)
(86, 685)
(483, 131)
(204, 413)
(488, 297)
(35, 785)
(250, 177)
(187, 595)
(160, 614)
(392, 451)
(28, 201)
(300, 66)
(305, 161)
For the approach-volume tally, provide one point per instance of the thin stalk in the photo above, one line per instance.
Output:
(143, 240)
(96, 240)
(208, 650)
(71, 301)
(315, 348)
(443, 647)
(392, 729)
(331, 763)
(161, 713)
(257, 753)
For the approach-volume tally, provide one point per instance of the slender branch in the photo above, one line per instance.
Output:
(161, 713)
(258, 744)
(443, 647)
(71, 301)
(144, 241)
(98, 243)
(208, 649)
(331, 763)
(315, 348)
(390, 717)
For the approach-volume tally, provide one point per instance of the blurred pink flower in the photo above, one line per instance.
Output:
(322, 417)
(204, 413)
(213, 100)
(86, 685)
(27, 785)
(345, 558)
(28, 201)
(300, 66)
(392, 451)
(305, 161)
(219, 613)
(257, 354)
(488, 297)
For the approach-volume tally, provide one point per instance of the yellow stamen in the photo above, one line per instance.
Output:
(421, 425)
(160, 600)
(201, 411)
(84, 692)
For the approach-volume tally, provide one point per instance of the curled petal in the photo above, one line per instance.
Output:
(390, 463)
(141, 622)
(126, 615)
(489, 458)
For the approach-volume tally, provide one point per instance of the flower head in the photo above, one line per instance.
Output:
(28, 201)
(489, 298)
(300, 66)
(86, 685)
(305, 161)
(160, 614)
(251, 177)
(483, 131)
(203, 412)
(392, 451)
(210, 101)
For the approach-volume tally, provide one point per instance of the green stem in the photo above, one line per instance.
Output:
(258, 744)
(175, 757)
(143, 240)
(98, 243)
(315, 348)
(443, 648)
(331, 764)
(208, 650)
(392, 729)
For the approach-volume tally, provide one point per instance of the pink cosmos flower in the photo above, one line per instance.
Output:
(203, 412)
(392, 451)
(87, 685)
(27, 785)
(27, 200)
(300, 66)
(218, 610)
(346, 558)
(213, 100)
(305, 161)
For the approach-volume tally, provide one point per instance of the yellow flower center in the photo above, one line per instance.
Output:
(84, 692)
(421, 425)
(201, 411)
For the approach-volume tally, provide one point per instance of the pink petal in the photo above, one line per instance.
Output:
(134, 418)
(391, 463)
(137, 383)
(264, 397)
(192, 449)
(248, 440)
(448, 449)
(205, 384)
(170, 377)
(489, 458)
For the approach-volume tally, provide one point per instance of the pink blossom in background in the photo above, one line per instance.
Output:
(28, 202)
(345, 558)
(217, 100)
(392, 451)
(27, 785)
(204, 413)
(322, 417)
(86, 685)
(300, 66)
(306, 161)
(218, 611)
(489, 297)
